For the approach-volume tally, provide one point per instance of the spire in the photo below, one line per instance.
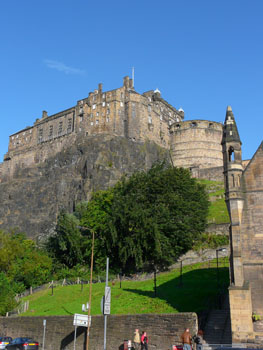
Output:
(230, 127)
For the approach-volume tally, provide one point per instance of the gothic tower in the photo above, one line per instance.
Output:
(233, 170)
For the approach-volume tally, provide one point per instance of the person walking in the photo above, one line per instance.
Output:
(186, 339)
(144, 341)
(136, 339)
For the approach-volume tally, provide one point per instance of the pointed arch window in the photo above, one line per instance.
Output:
(231, 154)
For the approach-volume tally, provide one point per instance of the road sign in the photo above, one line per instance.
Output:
(81, 320)
(107, 294)
(107, 301)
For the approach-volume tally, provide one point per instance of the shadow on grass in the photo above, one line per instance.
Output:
(68, 312)
(198, 289)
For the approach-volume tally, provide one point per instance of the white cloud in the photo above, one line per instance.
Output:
(62, 67)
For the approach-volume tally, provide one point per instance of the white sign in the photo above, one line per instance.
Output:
(81, 320)
(107, 301)
(107, 294)
(107, 309)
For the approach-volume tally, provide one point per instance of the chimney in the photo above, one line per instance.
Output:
(131, 83)
(44, 114)
(100, 88)
(126, 82)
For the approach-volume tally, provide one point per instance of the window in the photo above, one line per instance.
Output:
(97, 114)
(50, 134)
(170, 122)
(103, 104)
(149, 108)
(94, 97)
(91, 123)
(108, 105)
(107, 119)
(94, 106)
(97, 122)
(178, 126)
(91, 115)
(121, 104)
(103, 95)
(193, 125)
(122, 95)
(231, 154)
(80, 110)
(40, 135)
(161, 117)
(80, 119)
(60, 128)
(69, 125)
(108, 111)
(149, 119)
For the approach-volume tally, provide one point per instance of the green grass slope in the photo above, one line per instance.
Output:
(198, 290)
(218, 213)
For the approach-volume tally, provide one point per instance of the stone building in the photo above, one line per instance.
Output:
(196, 144)
(119, 112)
(244, 199)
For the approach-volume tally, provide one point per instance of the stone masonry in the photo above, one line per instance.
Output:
(244, 199)
(163, 330)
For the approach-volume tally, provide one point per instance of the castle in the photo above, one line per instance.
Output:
(126, 113)
(120, 112)
(63, 158)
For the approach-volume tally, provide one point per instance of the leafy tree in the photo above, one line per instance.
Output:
(156, 216)
(146, 221)
(7, 300)
(23, 264)
(66, 245)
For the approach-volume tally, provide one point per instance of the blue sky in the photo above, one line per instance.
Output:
(202, 54)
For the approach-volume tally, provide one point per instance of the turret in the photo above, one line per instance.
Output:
(233, 170)
(232, 156)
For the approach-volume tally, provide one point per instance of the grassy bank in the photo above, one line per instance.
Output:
(199, 288)
(217, 211)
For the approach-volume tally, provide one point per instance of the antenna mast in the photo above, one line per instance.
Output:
(133, 75)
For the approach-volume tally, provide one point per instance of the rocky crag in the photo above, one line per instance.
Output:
(32, 198)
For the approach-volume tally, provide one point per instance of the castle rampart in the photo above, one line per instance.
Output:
(196, 144)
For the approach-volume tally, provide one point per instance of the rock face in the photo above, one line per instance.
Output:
(33, 197)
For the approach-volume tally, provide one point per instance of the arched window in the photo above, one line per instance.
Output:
(231, 154)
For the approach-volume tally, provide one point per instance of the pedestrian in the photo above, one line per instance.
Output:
(186, 339)
(144, 341)
(136, 339)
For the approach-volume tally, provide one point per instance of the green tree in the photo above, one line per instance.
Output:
(156, 216)
(7, 300)
(66, 245)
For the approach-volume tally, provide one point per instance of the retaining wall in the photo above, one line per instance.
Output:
(163, 330)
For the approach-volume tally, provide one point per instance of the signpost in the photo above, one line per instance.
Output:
(106, 301)
(44, 334)
(80, 321)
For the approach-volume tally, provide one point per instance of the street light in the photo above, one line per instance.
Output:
(217, 270)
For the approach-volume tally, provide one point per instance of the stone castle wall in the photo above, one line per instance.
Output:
(120, 112)
(196, 144)
(162, 330)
